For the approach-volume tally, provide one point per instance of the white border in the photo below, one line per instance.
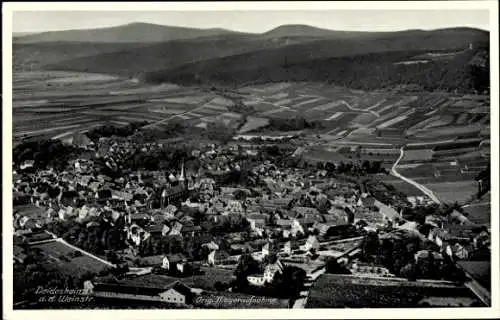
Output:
(8, 313)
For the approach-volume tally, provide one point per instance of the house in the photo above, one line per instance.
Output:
(311, 243)
(302, 211)
(287, 249)
(19, 254)
(387, 211)
(190, 230)
(453, 234)
(157, 230)
(331, 228)
(178, 293)
(175, 228)
(268, 276)
(257, 220)
(459, 218)
(370, 270)
(284, 223)
(156, 260)
(27, 164)
(458, 251)
(211, 245)
(424, 254)
(174, 293)
(272, 269)
(171, 261)
(296, 228)
(309, 220)
(234, 206)
(217, 257)
(138, 218)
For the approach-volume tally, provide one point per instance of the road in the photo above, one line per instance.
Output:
(422, 188)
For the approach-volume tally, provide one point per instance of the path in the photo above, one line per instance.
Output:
(360, 110)
(422, 188)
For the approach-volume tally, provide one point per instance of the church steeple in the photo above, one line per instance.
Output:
(182, 178)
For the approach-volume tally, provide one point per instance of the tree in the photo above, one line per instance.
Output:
(332, 266)
(247, 265)
(289, 283)
(370, 244)
(409, 271)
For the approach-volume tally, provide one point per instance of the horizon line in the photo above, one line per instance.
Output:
(28, 33)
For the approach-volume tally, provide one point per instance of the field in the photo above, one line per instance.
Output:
(453, 191)
(479, 213)
(445, 137)
(335, 291)
(53, 104)
(79, 99)
(403, 186)
(57, 252)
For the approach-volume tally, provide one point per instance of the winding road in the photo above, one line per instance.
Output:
(422, 188)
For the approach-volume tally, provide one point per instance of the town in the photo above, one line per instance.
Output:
(232, 224)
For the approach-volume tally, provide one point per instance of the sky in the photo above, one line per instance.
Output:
(255, 21)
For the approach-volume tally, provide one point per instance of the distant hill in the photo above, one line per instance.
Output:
(33, 56)
(369, 71)
(300, 30)
(366, 60)
(322, 59)
(133, 32)
(128, 59)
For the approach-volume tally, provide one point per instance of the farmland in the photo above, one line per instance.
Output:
(59, 256)
(445, 136)
(450, 192)
(336, 291)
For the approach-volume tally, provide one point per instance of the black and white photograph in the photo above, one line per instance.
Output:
(221, 157)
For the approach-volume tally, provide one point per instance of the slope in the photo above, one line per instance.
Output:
(133, 32)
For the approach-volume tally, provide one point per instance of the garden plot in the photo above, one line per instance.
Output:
(277, 96)
(253, 123)
(328, 106)
(277, 87)
(456, 191)
(165, 110)
(364, 119)
(29, 103)
(450, 131)
(214, 107)
(392, 122)
(439, 121)
(334, 116)
(308, 101)
(219, 101)
(369, 102)
(418, 155)
(479, 213)
(59, 257)
(82, 78)
(145, 90)
(190, 100)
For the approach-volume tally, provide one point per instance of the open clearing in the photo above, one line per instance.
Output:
(453, 191)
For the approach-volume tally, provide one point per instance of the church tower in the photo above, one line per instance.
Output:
(182, 178)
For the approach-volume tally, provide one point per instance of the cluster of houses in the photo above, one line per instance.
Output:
(287, 205)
